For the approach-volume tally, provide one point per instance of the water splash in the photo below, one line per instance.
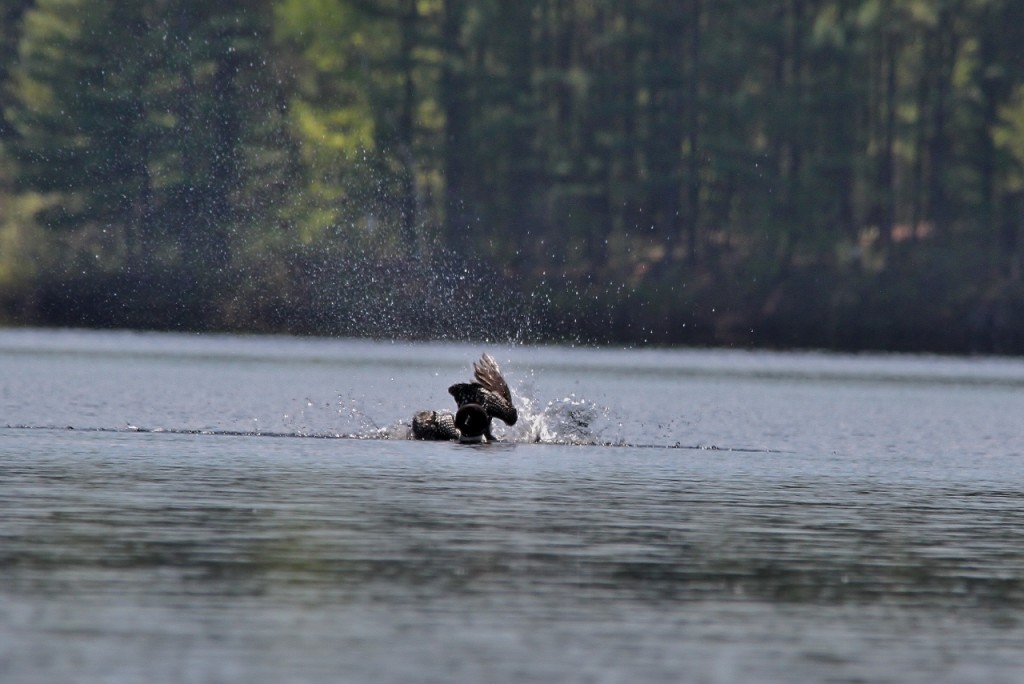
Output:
(378, 291)
(358, 423)
(569, 420)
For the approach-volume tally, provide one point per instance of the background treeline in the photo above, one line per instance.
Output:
(836, 173)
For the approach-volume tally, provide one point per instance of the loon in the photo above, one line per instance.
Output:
(478, 402)
(466, 425)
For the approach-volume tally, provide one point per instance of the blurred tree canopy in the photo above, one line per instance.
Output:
(834, 173)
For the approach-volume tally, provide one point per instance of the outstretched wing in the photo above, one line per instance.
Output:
(488, 374)
(490, 391)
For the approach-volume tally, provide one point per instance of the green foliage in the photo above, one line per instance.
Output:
(155, 130)
(648, 171)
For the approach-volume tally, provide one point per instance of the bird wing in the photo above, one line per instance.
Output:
(488, 374)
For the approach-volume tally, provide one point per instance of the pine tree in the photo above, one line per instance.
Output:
(153, 126)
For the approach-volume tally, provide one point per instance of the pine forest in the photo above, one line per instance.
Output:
(840, 174)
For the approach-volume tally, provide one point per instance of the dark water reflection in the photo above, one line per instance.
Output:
(167, 557)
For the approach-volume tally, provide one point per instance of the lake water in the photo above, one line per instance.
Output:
(179, 508)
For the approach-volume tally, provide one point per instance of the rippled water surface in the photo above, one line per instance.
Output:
(224, 509)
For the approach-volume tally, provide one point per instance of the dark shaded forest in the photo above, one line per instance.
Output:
(844, 174)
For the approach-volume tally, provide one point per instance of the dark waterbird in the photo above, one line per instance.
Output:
(478, 402)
